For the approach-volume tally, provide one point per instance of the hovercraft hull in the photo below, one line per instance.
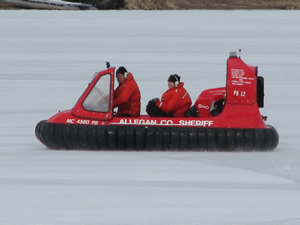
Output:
(151, 138)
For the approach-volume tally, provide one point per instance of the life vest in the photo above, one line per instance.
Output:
(127, 97)
(175, 100)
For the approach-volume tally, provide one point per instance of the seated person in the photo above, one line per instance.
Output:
(174, 102)
(127, 95)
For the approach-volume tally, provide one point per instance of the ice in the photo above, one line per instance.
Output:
(47, 59)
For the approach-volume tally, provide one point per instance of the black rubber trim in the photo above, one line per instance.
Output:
(84, 137)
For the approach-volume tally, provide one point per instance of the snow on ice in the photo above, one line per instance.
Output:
(48, 57)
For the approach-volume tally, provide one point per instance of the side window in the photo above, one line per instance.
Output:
(98, 98)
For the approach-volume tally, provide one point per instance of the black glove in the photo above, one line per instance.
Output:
(191, 112)
(155, 111)
(151, 108)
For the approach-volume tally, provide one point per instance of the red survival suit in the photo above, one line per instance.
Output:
(175, 100)
(127, 97)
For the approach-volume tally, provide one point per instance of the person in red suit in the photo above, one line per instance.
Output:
(127, 97)
(174, 102)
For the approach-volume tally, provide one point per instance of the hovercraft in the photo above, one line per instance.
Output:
(223, 119)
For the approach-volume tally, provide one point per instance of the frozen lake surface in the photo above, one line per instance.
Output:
(47, 59)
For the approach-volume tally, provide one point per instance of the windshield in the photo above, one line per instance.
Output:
(98, 98)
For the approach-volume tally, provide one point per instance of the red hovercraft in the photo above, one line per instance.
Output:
(224, 119)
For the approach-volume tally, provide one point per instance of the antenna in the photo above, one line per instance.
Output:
(240, 53)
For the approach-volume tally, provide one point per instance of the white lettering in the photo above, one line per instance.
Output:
(149, 122)
(199, 123)
(169, 122)
(153, 121)
(83, 122)
(166, 122)
(70, 121)
(94, 122)
(237, 73)
(138, 121)
(237, 76)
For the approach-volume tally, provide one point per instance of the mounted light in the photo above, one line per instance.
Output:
(233, 55)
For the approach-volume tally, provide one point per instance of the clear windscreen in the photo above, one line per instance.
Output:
(98, 98)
